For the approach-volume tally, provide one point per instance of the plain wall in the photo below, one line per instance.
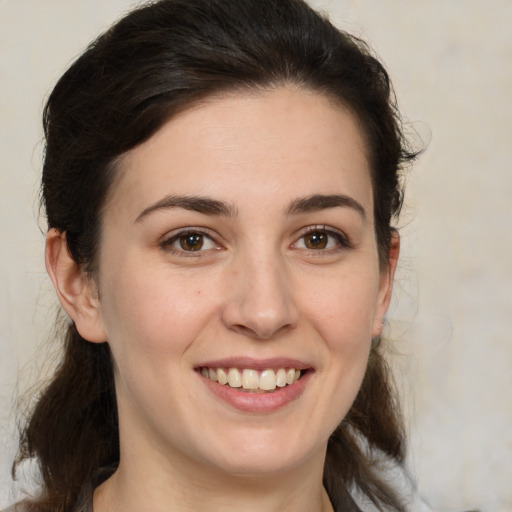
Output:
(450, 62)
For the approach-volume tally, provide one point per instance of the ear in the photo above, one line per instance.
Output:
(387, 277)
(76, 290)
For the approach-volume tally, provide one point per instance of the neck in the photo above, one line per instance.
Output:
(162, 487)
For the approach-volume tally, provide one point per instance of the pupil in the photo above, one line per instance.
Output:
(191, 242)
(316, 240)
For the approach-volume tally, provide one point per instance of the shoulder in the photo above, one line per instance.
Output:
(85, 496)
(15, 508)
(84, 504)
(402, 482)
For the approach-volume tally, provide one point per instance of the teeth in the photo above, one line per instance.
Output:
(281, 378)
(234, 378)
(222, 376)
(252, 380)
(267, 380)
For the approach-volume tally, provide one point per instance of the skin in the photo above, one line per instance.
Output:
(257, 288)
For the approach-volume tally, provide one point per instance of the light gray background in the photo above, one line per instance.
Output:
(451, 63)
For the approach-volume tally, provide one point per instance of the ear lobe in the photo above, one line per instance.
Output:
(386, 284)
(75, 289)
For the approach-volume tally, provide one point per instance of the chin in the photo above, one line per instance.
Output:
(265, 453)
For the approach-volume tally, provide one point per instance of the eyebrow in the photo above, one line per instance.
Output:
(208, 206)
(320, 202)
(204, 205)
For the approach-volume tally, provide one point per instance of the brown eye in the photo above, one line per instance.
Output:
(191, 241)
(316, 240)
(320, 240)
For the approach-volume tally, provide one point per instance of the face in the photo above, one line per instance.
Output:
(238, 244)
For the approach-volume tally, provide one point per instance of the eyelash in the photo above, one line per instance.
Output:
(341, 241)
(167, 244)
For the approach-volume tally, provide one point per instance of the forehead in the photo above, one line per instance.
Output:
(271, 145)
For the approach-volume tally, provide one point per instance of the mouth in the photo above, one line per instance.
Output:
(250, 380)
(256, 386)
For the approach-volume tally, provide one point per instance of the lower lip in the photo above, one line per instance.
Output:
(258, 402)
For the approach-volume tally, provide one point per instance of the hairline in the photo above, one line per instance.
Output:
(114, 167)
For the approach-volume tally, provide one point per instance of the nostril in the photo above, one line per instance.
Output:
(259, 305)
(260, 332)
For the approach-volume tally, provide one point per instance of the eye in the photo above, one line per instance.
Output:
(321, 239)
(189, 241)
(316, 240)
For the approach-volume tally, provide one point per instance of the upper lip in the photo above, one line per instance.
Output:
(256, 364)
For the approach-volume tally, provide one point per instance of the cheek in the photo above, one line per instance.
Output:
(151, 323)
(150, 313)
(342, 317)
(343, 310)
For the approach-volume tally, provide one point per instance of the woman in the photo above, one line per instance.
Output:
(219, 180)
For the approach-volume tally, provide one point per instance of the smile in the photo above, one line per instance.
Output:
(251, 380)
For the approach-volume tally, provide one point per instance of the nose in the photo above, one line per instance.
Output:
(260, 302)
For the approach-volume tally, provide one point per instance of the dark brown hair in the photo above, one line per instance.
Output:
(160, 59)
